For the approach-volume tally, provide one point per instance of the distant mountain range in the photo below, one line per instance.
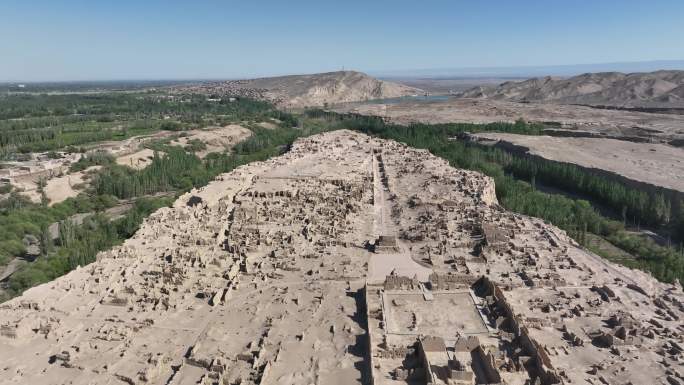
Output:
(659, 89)
(526, 72)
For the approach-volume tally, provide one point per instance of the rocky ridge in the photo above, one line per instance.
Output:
(659, 89)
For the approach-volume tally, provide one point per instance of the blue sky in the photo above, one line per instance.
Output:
(167, 39)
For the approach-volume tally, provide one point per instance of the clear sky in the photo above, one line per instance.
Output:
(168, 39)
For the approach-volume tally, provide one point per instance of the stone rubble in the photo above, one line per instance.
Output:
(347, 260)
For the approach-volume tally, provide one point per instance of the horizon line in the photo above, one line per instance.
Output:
(376, 73)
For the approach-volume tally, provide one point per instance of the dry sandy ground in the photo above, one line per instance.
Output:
(131, 145)
(57, 189)
(129, 153)
(137, 160)
(216, 139)
(268, 125)
(656, 164)
(61, 188)
(662, 127)
(28, 185)
(257, 279)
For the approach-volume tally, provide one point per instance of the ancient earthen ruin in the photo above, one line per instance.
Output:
(347, 260)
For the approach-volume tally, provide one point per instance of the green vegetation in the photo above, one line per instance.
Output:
(607, 250)
(97, 158)
(195, 145)
(54, 138)
(173, 170)
(653, 209)
(49, 123)
(657, 208)
(77, 245)
(178, 170)
(33, 123)
(20, 217)
(576, 216)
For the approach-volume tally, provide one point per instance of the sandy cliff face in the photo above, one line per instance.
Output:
(342, 87)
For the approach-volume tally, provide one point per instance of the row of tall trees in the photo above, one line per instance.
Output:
(19, 137)
(77, 245)
(95, 158)
(179, 170)
(111, 106)
(646, 205)
(41, 122)
(512, 175)
(654, 208)
(30, 123)
(20, 217)
(173, 170)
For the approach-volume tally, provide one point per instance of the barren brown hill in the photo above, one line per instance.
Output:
(660, 89)
(309, 90)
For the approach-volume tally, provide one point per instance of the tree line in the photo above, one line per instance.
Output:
(31, 123)
(77, 245)
(512, 176)
(654, 208)
(173, 169)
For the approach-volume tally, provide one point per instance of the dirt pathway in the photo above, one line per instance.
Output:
(383, 264)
